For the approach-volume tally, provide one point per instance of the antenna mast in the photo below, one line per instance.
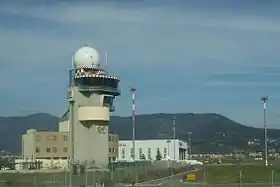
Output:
(106, 60)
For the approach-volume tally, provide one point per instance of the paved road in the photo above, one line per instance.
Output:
(173, 181)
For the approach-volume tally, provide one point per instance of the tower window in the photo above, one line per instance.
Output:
(108, 101)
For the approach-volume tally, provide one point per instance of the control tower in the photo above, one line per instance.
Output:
(91, 93)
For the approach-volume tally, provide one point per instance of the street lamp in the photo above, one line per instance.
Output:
(264, 99)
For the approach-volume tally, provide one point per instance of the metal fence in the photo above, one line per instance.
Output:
(117, 176)
(234, 176)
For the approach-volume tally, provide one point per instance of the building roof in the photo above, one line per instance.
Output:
(65, 116)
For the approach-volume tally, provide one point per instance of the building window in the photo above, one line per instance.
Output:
(164, 152)
(37, 150)
(65, 149)
(65, 138)
(110, 150)
(48, 150)
(110, 138)
(38, 137)
(54, 149)
(113, 150)
(123, 153)
(149, 153)
(140, 153)
(131, 152)
(54, 138)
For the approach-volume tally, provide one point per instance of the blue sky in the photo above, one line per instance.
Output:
(182, 56)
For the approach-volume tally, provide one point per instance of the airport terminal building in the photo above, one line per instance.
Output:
(147, 149)
(55, 145)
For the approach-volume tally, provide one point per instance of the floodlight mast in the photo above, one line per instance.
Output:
(264, 99)
(133, 95)
(189, 146)
(174, 137)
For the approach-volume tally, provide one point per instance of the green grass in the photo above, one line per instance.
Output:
(125, 175)
(226, 174)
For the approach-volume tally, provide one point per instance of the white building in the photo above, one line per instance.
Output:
(148, 149)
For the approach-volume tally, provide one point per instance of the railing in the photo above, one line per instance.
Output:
(108, 89)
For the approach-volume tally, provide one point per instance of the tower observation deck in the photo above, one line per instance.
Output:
(91, 93)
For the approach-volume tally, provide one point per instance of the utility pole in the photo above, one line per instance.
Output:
(190, 148)
(264, 99)
(133, 93)
(174, 137)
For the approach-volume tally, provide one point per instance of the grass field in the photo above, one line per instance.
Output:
(230, 174)
(125, 175)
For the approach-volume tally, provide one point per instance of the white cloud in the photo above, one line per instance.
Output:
(81, 13)
(145, 36)
(248, 84)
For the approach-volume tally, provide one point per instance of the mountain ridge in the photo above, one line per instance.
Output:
(211, 132)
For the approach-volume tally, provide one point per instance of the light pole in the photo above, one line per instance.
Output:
(264, 99)
(133, 92)
(174, 137)
(190, 148)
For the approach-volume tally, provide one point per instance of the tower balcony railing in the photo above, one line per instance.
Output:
(111, 107)
(114, 91)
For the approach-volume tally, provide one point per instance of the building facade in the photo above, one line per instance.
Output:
(45, 145)
(148, 149)
(56, 145)
(113, 147)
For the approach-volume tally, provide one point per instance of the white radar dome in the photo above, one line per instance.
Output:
(86, 57)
